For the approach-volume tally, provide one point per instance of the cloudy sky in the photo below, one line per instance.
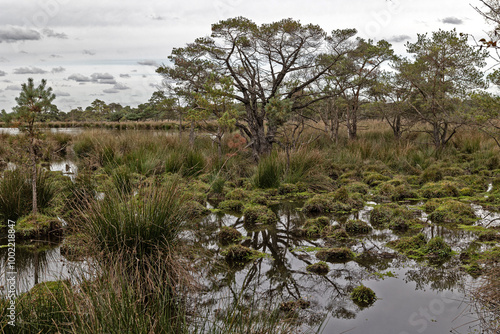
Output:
(109, 49)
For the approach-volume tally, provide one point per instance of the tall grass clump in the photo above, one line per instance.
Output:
(16, 193)
(269, 172)
(185, 161)
(138, 225)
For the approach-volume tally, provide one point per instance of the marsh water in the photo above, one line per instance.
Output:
(413, 297)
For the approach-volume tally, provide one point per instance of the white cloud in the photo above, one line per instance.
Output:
(51, 33)
(111, 91)
(11, 34)
(120, 86)
(79, 78)
(58, 69)
(29, 70)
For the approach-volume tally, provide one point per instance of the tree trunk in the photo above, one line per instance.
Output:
(191, 135)
(180, 127)
(33, 177)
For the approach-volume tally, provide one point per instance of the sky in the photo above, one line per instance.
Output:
(109, 49)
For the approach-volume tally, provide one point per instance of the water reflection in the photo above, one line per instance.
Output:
(36, 262)
(402, 285)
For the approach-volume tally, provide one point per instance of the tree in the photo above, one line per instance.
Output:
(391, 102)
(215, 101)
(444, 70)
(31, 103)
(355, 74)
(279, 60)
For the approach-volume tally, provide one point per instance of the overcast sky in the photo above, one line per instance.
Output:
(109, 49)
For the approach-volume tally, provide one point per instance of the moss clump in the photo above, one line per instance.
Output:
(319, 204)
(431, 174)
(29, 227)
(374, 179)
(238, 253)
(410, 246)
(228, 235)
(473, 269)
(440, 189)
(314, 227)
(357, 226)
(403, 192)
(231, 206)
(237, 194)
(417, 247)
(338, 202)
(287, 188)
(294, 305)
(380, 215)
(334, 255)
(386, 189)
(489, 236)
(402, 224)
(339, 235)
(195, 210)
(437, 248)
(454, 212)
(45, 305)
(357, 187)
(74, 247)
(320, 268)
(363, 296)
(259, 214)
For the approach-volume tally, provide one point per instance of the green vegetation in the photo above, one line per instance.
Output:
(335, 255)
(304, 133)
(320, 268)
(363, 296)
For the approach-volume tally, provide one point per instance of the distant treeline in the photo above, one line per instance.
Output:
(125, 125)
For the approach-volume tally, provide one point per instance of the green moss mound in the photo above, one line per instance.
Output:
(259, 214)
(363, 296)
(417, 247)
(30, 227)
(228, 235)
(320, 268)
(238, 254)
(357, 226)
(231, 206)
(453, 212)
(440, 189)
(334, 255)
